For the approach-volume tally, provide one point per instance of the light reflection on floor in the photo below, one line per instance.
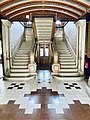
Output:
(44, 75)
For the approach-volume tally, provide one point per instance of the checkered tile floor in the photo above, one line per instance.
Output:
(24, 93)
(72, 85)
(15, 85)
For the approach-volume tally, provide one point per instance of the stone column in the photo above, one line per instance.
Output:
(6, 46)
(80, 47)
(50, 52)
(55, 65)
(32, 65)
(88, 43)
(88, 50)
(38, 52)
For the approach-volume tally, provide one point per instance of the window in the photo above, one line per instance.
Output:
(41, 51)
(46, 51)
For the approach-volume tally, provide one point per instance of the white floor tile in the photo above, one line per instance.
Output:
(37, 106)
(51, 106)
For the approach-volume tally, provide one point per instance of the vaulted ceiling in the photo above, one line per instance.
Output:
(60, 9)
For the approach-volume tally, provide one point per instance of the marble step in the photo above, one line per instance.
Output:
(19, 74)
(24, 48)
(65, 57)
(68, 66)
(63, 49)
(19, 70)
(21, 52)
(14, 78)
(22, 66)
(66, 60)
(64, 52)
(67, 63)
(20, 63)
(22, 60)
(68, 79)
(68, 70)
(68, 73)
(22, 57)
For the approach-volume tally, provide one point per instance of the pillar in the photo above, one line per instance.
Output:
(88, 41)
(32, 65)
(6, 46)
(38, 52)
(50, 52)
(88, 50)
(55, 65)
(80, 46)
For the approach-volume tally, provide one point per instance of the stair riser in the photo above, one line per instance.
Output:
(20, 64)
(68, 70)
(23, 53)
(20, 55)
(21, 61)
(65, 55)
(61, 60)
(67, 63)
(69, 79)
(23, 49)
(19, 74)
(19, 70)
(66, 58)
(68, 74)
(20, 67)
(62, 66)
(19, 78)
(22, 58)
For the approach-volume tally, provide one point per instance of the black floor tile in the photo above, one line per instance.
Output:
(10, 88)
(68, 87)
(20, 88)
(16, 86)
(71, 85)
(74, 83)
(77, 87)
(22, 83)
(66, 84)
(13, 84)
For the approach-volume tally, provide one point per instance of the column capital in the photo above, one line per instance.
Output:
(6, 22)
(80, 22)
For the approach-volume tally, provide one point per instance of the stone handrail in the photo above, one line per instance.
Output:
(70, 47)
(19, 42)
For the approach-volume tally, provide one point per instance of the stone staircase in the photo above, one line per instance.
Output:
(19, 69)
(44, 28)
(68, 68)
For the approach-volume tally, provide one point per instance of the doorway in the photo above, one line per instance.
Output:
(44, 57)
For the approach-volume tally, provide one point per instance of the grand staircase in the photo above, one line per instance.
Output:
(68, 68)
(19, 69)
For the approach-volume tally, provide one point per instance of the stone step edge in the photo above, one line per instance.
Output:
(14, 78)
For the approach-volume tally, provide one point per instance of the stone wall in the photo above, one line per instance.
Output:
(71, 33)
(16, 31)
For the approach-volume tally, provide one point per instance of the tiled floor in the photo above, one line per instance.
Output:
(44, 98)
